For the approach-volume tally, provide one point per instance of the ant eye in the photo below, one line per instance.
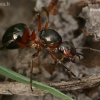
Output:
(61, 49)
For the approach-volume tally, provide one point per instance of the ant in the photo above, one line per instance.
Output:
(19, 35)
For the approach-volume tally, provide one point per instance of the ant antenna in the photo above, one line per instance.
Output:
(88, 49)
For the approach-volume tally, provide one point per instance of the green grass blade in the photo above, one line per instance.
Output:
(15, 76)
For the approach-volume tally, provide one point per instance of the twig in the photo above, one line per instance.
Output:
(11, 88)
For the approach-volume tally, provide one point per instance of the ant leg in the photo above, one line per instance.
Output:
(24, 45)
(47, 22)
(25, 39)
(36, 54)
(6, 44)
(39, 22)
(51, 8)
(31, 70)
(46, 25)
(68, 70)
(26, 35)
(53, 57)
(33, 36)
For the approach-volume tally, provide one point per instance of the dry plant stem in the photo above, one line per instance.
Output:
(11, 88)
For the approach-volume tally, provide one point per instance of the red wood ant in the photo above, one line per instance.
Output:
(19, 35)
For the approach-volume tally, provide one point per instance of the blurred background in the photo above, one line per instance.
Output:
(67, 23)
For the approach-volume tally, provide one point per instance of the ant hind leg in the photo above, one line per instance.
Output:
(31, 69)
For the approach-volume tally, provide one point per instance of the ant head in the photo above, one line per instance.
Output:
(64, 50)
(68, 50)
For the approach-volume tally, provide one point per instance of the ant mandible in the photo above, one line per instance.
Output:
(19, 35)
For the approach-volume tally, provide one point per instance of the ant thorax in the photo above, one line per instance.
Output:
(32, 44)
(91, 14)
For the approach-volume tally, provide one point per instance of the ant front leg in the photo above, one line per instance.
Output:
(68, 70)
(31, 70)
(39, 22)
